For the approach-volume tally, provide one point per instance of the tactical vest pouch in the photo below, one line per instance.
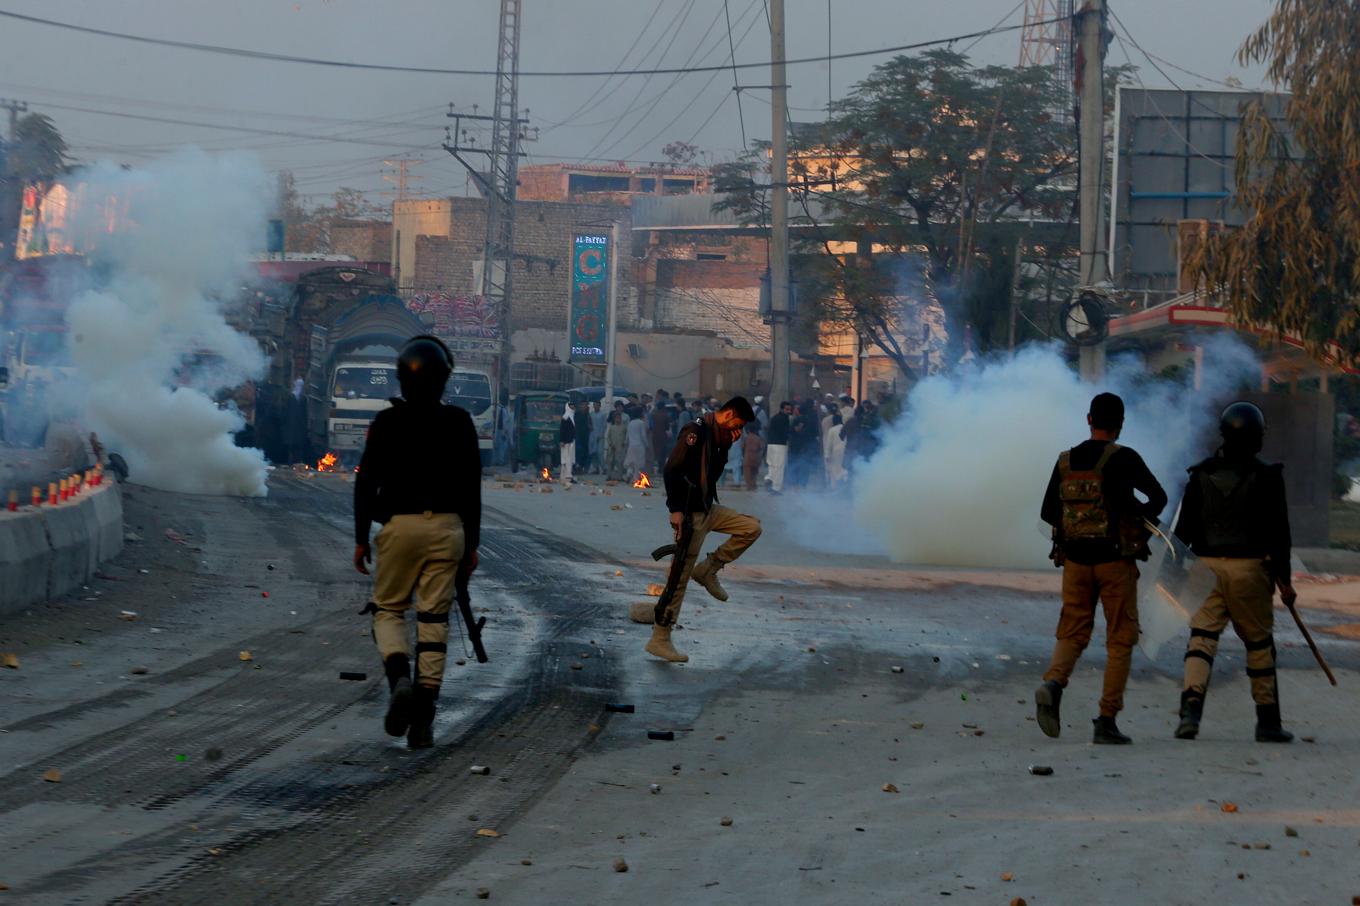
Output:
(1085, 512)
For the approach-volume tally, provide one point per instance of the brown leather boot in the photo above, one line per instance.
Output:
(661, 646)
(706, 574)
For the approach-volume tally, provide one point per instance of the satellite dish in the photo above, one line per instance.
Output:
(1084, 321)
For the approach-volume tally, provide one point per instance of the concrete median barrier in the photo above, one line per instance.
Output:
(50, 551)
(25, 559)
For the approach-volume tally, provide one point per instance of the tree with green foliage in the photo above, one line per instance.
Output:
(1294, 266)
(936, 161)
(37, 156)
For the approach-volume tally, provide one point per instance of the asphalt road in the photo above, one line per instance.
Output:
(239, 768)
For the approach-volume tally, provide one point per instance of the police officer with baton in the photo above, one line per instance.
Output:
(421, 476)
(1234, 518)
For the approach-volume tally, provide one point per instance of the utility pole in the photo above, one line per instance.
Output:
(1090, 25)
(403, 177)
(15, 108)
(779, 211)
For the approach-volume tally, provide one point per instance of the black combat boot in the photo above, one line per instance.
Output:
(1268, 727)
(398, 670)
(1107, 733)
(421, 735)
(1192, 709)
(1046, 700)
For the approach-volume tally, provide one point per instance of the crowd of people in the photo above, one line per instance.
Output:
(805, 443)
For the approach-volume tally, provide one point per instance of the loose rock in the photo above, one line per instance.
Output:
(139, 671)
(1040, 770)
(246, 656)
(483, 893)
(1290, 832)
(52, 775)
(890, 788)
(620, 865)
(726, 822)
(488, 832)
(480, 769)
(10, 660)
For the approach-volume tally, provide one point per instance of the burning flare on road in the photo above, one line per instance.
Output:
(643, 481)
(327, 463)
(545, 475)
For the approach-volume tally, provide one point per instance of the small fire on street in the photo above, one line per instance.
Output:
(327, 463)
(545, 475)
(643, 481)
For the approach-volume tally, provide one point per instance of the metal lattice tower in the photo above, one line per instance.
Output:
(1046, 40)
(503, 169)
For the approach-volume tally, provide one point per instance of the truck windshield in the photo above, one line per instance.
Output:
(470, 391)
(365, 383)
(46, 349)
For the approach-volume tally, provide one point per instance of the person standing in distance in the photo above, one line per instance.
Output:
(1098, 534)
(692, 473)
(777, 446)
(421, 476)
(1234, 518)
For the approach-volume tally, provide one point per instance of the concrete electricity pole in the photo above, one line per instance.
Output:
(779, 212)
(1090, 24)
(15, 108)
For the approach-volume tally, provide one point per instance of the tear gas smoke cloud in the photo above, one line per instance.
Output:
(959, 479)
(192, 221)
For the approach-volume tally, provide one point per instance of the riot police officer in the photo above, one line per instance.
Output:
(420, 476)
(1234, 518)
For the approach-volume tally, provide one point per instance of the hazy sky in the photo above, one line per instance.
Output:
(353, 119)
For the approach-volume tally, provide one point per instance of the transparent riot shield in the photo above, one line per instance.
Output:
(1172, 586)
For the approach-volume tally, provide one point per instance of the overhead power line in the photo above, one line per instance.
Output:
(433, 70)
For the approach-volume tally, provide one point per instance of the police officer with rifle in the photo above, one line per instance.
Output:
(421, 477)
(692, 473)
(1099, 532)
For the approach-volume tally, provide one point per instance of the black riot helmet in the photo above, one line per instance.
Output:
(1243, 426)
(423, 368)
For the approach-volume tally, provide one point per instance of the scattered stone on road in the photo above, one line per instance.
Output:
(726, 822)
(620, 865)
(52, 775)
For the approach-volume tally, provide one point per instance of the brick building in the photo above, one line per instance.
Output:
(364, 240)
(610, 183)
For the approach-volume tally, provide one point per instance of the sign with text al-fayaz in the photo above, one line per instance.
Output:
(589, 296)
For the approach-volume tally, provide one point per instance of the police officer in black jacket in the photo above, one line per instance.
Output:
(691, 475)
(1235, 519)
(421, 476)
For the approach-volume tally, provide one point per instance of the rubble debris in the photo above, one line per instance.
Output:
(578, 666)
(246, 656)
(662, 735)
(127, 615)
(616, 708)
(1007, 876)
(215, 851)
(479, 769)
(1019, 901)
(526, 861)
(52, 775)
(720, 739)
(353, 675)
(1290, 832)
(1260, 846)
(1229, 807)
(726, 822)
(896, 669)
(10, 660)
(620, 865)
(890, 788)
(918, 725)
(642, 612)
(488, 832)
(139, 671)
(654, 788)
(483, 893)
(1040, 770)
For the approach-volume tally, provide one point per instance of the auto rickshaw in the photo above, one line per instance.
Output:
(538, 419)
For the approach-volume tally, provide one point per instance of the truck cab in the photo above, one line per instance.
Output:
(360, 389)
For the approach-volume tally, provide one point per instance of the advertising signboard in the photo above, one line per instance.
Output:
(589, 309)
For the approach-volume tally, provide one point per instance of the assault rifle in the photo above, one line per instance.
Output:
(678, 551)
(474, 627)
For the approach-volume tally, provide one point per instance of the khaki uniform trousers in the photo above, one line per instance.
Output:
(1244, 596)
(742, 532)
(417, 555)
(1115, 585)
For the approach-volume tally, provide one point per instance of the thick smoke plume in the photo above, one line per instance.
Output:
(959, 478)
(169, 240)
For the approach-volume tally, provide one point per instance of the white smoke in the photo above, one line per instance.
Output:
(168, 239)
(959, 478)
